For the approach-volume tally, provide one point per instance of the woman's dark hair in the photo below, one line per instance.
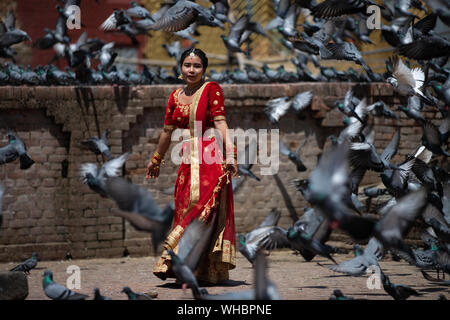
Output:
(197, 52)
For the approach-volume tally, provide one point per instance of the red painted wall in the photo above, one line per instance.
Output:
(35, 15)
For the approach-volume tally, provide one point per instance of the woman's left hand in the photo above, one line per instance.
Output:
(233, 169)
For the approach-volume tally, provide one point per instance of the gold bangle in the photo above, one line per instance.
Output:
(157, 155)
(155, 161)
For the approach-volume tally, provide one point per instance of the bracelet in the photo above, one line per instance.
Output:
(157, 155)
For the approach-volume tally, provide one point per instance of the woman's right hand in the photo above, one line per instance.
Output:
(152, 170)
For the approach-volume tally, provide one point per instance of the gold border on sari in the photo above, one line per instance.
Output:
(195, 161)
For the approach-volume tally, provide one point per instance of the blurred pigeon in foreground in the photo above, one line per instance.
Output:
(140, 209)
(264, 289)
(392, 228)
(56, 291)
(96, 178)
(15, 148)
(27, 265)
(185, 275)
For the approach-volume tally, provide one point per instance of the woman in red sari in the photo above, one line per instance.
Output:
(203, 188)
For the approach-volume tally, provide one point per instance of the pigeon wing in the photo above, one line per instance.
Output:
(177, 18)
(391, 149)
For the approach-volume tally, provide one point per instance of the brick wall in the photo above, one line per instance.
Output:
(50, 212)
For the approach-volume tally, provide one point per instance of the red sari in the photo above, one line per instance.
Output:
(202, 189)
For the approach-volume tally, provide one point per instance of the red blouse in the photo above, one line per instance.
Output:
(177, 113)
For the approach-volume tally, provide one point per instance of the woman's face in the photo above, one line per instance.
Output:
(192, 69)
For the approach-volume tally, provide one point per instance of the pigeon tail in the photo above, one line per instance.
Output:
(25, 161)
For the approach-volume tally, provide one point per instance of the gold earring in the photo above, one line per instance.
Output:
(180, 77)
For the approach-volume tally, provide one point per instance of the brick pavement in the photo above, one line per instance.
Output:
(294, 278)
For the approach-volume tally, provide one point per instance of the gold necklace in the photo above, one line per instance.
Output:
(190, 92)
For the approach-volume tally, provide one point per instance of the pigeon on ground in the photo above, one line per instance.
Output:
(397, 291)
(98, 296)
(56, 291)
(358, 265)
(135, 295)
(15, 149)
(338, 295)
(27, 265)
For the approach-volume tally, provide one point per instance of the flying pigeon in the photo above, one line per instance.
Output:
(137, 206)
(15, 149)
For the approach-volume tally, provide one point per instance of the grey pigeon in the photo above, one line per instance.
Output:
(264, 288)
(137, 11)
(9, 35)
(116, 19)
(397, 291)
(98, 146)
(235, 37)
(434, 138)
(276, 108)
(135, 295)
(380, 109)
(407, 82)
(327, 189)
(393, 227)
(185, 275)
(250, 158)
(182, 14)
(358, 265)
(96, 178)
(294, 155)
(338, 295)
(250, 243)
(301, 101)
(335, 8)
(98, 295)
(194, 241)
(15, 149)
(27, 265)
(56, 291)
(137, 206)
(107, 57)
(413, 109)
(345, 51)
